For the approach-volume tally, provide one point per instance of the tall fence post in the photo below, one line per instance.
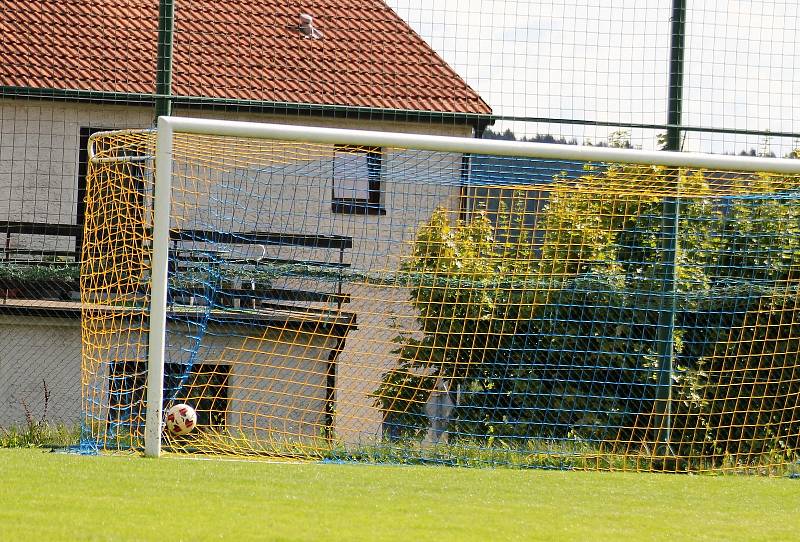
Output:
(166, 25)
(669, 238)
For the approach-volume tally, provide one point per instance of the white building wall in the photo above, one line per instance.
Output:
(277, 375)
(39, 147)
(37, 354)
(38, 182)
(39, 154)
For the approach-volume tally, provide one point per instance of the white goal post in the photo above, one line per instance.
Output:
(168, 127)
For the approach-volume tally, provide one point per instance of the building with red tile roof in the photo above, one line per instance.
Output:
(238, 53)
(69, 68)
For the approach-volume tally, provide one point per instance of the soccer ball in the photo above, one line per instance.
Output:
(181, 419)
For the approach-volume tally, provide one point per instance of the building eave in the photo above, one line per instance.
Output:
(478, 121)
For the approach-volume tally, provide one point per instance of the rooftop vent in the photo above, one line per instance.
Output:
(307, 28)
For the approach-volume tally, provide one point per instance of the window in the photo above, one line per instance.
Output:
(120, 263)
(30, 247)
(357, 180)
(207, 391)
(83, 167)
(205, 387)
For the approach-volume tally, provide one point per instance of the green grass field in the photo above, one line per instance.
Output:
(46, 496)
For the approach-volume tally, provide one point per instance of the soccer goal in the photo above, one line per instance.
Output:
(372, 296)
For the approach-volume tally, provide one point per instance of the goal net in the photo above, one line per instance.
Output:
(335, 294)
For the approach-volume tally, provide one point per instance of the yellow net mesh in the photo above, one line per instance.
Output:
(398, 305)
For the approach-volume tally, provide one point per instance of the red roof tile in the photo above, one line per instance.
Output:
(237, 49)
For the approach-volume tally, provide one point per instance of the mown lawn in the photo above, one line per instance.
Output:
(47, 496)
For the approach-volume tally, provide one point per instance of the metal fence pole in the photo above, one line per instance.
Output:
(669, 237)
(166, 25)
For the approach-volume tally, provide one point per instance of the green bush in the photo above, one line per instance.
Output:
(34, 273)
(555, 337)
(741, 398)
(465, 287)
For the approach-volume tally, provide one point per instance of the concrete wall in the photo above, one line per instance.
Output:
(277, 384)
(37, 352)
(279, 379)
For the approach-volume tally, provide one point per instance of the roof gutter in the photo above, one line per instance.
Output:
(478, 121)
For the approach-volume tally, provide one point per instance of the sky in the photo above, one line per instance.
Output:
(607, 60)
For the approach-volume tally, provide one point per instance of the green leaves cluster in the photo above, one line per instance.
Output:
(556, 335)
(35, 273)
(471, 290)
(603, 226)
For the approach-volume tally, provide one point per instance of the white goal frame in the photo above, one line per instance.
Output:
(169, 126)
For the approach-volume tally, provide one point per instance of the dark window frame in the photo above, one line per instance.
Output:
(135, 170)
(361, 206)
(84, 133)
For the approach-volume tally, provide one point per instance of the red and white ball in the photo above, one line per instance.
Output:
(181, 419)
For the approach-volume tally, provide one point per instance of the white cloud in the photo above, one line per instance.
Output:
(607, 60)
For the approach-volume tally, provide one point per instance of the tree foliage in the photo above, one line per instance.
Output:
(556, 336)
